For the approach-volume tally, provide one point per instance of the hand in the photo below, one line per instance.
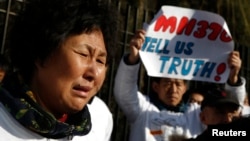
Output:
(234, 62)
(135, 45)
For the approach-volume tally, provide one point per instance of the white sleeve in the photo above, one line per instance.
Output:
(126, 93)
(239, 92)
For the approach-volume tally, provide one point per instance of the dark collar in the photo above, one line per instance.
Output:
(29, 114)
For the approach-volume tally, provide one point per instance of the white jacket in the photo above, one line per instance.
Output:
(101, 118)
(147, 122)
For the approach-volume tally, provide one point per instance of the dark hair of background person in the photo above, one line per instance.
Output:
(36, 37)
(202, 89)
(4, 63)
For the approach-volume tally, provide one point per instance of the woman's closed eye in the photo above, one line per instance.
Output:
(84, 54)
(101, 61)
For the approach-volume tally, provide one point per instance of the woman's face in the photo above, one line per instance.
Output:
(72, 75)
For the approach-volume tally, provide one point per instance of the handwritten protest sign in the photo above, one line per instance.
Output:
(187, 44)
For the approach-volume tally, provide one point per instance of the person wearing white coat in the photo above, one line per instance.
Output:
(101, 117)
(60, 51)
(147, 121)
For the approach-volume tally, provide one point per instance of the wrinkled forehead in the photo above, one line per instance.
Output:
(196, 94)
(172, 80)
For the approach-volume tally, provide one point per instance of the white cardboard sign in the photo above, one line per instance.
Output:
(187, 44)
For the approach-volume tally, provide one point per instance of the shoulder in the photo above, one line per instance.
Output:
(102, 120)
(97, 101)
(12, 130)
(98, 106)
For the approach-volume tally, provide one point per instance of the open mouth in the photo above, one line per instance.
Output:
(82, 91)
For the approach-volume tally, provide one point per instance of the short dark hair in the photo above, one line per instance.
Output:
(158, 79)
(43, 25)
(217, 97)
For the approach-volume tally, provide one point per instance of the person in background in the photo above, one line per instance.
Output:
(219, 107)
(60, 51)
(238, 129)
(217, 110)
(4, 67)
(195, 95)
(149, 115)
